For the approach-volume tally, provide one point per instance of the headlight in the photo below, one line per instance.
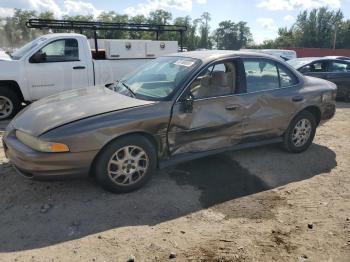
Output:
(39, 145)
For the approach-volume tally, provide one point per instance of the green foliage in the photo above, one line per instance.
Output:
(229, 35)
(319, 28)
(232, 36)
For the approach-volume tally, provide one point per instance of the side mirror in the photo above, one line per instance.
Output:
(188, 103)
(304, 69)
(38, 57)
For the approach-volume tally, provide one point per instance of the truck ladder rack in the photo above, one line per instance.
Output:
(105, 26)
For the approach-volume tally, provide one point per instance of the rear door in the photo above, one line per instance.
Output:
(62, 68)
(339, 73)
(215, 119)
(270, 99)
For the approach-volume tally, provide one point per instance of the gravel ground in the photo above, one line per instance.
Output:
(259, 204)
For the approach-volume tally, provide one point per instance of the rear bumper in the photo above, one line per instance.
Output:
(34, 164)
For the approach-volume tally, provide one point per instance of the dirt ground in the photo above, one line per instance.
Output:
(259, 204)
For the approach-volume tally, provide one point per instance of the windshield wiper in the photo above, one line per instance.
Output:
(129, 89)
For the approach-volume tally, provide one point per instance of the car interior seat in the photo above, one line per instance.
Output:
(218, 83)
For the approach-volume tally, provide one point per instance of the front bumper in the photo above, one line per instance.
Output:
(34, 164)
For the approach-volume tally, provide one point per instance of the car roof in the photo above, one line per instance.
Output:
(53, 35)
(211, 55)
(338, 57)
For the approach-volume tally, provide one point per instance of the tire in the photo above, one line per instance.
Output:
(10, 103)
(118, 173)
(291, 137)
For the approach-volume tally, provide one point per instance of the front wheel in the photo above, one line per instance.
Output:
(126, 164)
(300, 133)
(10, 104)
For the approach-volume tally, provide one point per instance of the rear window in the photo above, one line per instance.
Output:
(263, 74)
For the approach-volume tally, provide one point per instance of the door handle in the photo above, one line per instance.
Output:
(78, 67)
(232, 107)
(297, 98)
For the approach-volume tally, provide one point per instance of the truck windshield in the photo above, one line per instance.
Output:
(158, 80)
(19, 53)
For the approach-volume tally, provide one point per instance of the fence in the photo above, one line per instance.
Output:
(317, 52)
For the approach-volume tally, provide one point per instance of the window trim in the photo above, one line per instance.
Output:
(279, 77)
(276, 63)
(330, 66)
(65, 39)
(213, 63)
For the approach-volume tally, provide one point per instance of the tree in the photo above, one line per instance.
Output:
(232, 36)
(316, 29)
(160, 17)
(204, 31)
(343, 35)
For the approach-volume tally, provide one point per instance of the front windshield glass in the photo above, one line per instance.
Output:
(19, 53)
(157, 80)
(299, 62)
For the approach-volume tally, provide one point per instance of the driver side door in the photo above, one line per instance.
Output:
(208, 115)
(60, 68)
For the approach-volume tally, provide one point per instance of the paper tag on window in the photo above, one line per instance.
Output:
(184, 63)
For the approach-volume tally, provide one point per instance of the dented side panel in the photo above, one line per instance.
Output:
(268, 112)
(209, 126)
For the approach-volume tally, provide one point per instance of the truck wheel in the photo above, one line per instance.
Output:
(126, 164)
(300, 133)
(10, 103)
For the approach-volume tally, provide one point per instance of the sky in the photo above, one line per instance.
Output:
(264, 17)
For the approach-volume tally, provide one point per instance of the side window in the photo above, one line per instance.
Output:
(287, 78)
(61, 51)
(339, 67)
(216, 80)
(261, 74)
(319, 67)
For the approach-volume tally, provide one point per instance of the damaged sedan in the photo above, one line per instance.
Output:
(172, 109)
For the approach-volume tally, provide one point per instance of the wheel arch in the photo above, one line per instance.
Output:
(315, 110)
(12, 85)
(148, 136)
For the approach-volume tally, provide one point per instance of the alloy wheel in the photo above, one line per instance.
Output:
(128, 165)
(6, 107)
(301, 132)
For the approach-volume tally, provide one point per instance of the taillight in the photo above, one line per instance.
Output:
(334, 94)
(328, 96)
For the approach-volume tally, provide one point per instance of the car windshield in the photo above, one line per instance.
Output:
(159, 79)
(299, 62)
(19, 53)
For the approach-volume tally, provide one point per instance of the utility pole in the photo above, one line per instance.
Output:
(335, 36)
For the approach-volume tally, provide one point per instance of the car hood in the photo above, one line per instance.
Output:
(66, 107)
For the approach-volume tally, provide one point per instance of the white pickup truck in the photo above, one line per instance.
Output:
(57, 62)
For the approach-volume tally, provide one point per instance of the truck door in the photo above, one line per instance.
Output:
(56, 67)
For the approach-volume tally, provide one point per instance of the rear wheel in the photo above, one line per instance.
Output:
(126, 164)
(10, 103)
(300, 133)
